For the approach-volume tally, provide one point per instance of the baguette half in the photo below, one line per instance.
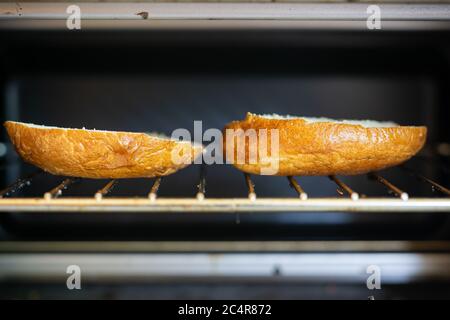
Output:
(321, 146)
(98, 154)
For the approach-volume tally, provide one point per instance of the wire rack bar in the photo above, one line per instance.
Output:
(353, 195)
(294, 184)
(57, 191)
(397, 191)
(201, 187)
(228, 205)
(105, 190)
(154, 190)
(19, 184)
(250, 186)
(434, 184)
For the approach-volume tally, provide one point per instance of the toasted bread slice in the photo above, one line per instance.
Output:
(99, 154)
(321, 146)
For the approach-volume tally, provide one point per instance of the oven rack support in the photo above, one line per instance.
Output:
(225, 11)
(289, 267)
(229, 15)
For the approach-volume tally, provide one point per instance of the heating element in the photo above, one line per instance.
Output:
(53, 200)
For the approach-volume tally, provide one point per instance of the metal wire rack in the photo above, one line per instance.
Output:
(351, 200)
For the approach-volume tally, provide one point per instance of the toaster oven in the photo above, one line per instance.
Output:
(210, 231)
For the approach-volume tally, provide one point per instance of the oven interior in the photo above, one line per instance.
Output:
(161, 80)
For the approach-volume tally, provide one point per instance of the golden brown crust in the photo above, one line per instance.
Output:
(97, 154)
(327, 148)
